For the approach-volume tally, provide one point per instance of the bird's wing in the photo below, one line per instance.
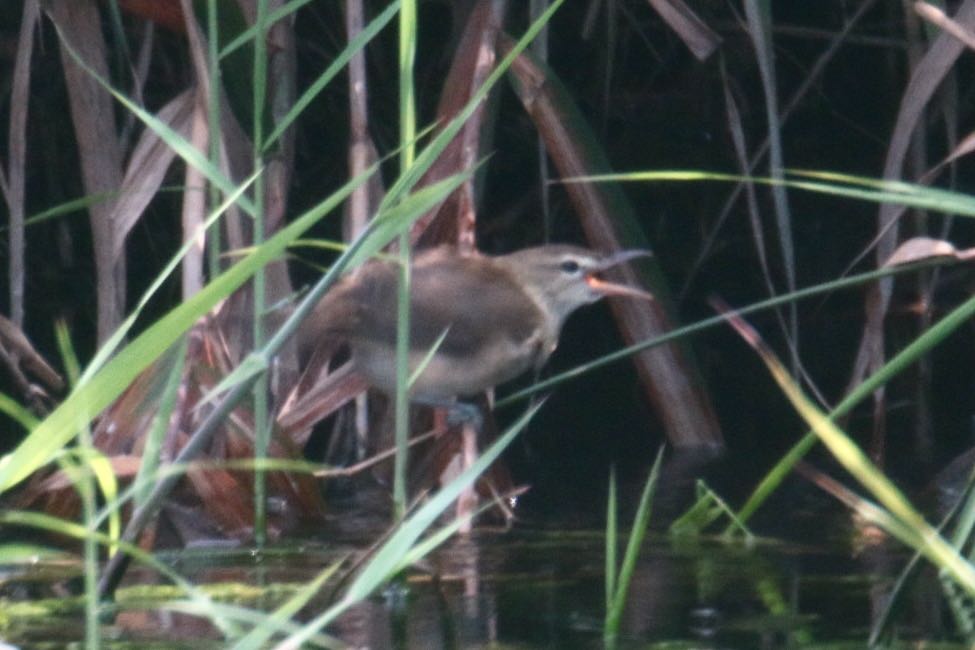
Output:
(480, 303)
(349, 307)
(446, 288)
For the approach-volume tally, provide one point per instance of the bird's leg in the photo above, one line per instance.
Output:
(458, 413)
(469, 416)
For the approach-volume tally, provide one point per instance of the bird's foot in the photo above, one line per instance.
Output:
(458, 413)
(461, 413)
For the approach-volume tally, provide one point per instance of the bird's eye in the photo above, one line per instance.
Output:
(570, 266)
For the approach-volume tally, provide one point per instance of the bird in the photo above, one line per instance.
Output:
(498, 316)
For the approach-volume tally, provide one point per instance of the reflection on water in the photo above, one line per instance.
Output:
(540, 589)
(545, 590)
(533, 586)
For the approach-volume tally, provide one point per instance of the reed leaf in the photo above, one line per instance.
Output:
(92, 396)
(617, 599)
(388, 559)
(900, 518)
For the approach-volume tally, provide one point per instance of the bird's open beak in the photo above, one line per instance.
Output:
(611, 288)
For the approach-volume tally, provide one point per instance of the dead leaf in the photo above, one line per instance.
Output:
(700, 39)
(918, 249)
(147, 167)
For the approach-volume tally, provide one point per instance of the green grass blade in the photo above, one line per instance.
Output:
(247, 35)
(118, 336)
(401, 398)
(384, 564)
(908, 524)
(262, 425)
(387, 560)
(428, 357)
(271, 624)
(913, 352)
(335, 67)
(637, 534)
(707, 508)
(70, 529)
(94, 395)
(856, 187)
(382, 229)
(13, 409)
(190, 154)
(438, 537)
(152, 452)
(407, 137)
(78, 205)
(429, 154)
(687, 330)
(612, 530)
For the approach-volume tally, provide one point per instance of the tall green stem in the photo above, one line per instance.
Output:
(213, 117)
(407, 111)
(262, 431)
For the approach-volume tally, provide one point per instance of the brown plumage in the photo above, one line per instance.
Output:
(502, 315)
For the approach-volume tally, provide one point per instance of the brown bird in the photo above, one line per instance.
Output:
(499, 316)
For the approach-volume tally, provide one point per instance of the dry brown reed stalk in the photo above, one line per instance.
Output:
(223, 497)
(93, 117)
(670, 381)
(927, 75)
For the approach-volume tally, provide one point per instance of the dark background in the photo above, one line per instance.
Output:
(653, 106)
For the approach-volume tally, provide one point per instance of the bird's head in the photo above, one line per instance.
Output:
(565, 278)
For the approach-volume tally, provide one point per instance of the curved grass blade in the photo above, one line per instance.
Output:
(388, 559)
(906, 523)
(97, 393)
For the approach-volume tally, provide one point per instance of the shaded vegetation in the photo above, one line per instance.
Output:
(184, 180)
